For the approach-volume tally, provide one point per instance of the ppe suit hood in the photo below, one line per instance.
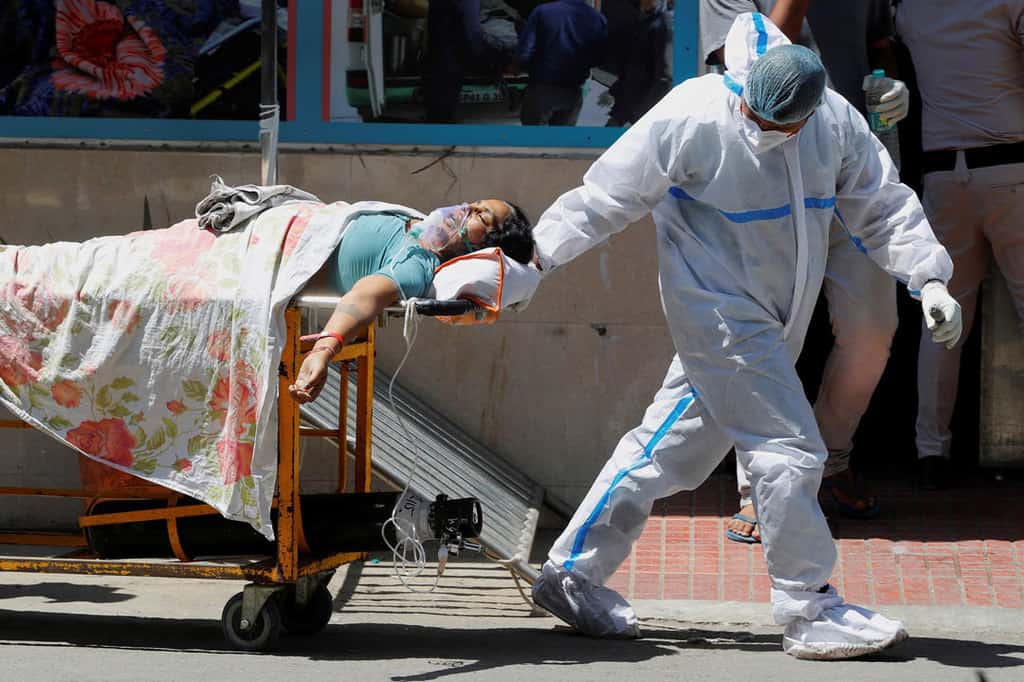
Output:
(751, 35)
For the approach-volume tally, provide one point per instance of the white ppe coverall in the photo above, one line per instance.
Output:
(743, 235)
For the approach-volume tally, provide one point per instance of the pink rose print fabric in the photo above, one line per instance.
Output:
(156, 353)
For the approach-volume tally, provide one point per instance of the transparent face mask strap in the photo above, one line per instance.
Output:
(465, 238)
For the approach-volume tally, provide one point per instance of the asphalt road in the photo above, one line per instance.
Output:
(474, 627)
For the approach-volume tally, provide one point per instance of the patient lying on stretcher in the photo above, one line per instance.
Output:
(157, 352)
(387, 257)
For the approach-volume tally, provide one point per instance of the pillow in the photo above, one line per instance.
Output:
(487, 277)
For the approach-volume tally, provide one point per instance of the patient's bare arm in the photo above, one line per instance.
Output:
(355, 311)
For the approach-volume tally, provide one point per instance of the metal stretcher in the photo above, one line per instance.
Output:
(287, 589)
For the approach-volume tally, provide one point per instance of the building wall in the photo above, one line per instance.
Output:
(551, 389)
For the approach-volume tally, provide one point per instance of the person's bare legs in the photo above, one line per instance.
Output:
(738, 523)
(862, 307)
(741, 527)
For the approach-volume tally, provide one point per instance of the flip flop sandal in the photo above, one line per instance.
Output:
(847, 510)
(737, 537)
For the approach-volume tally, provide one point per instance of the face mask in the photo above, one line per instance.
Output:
(444, 230)
(762, 140)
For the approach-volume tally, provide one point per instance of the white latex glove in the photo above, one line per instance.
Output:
(894, 104)
(941, 314)
(526, 282)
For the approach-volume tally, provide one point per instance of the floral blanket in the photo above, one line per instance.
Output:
(156, 353)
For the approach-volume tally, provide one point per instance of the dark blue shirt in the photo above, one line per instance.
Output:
(456, 39)
(561, 41)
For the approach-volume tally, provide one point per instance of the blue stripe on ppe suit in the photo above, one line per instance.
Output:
(648, 453)
(762, 33)
(765, 213)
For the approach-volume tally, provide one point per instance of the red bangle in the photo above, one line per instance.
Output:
(326, 335)
(330, 335)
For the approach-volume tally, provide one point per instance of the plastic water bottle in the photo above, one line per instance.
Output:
(876, 85)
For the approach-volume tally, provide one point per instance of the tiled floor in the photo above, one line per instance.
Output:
(962, 546)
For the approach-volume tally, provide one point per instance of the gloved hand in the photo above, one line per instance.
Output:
(527, 281)
(894, 104)
(942, 314)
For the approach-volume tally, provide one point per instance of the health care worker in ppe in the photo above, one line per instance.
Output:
(743, 173)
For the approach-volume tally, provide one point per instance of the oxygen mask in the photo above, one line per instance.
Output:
(444, 231)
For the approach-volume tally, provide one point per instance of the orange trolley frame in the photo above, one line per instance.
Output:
(292, 565)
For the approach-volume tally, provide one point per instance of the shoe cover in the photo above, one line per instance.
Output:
(790, 605)
(843, 631)
(591, 609)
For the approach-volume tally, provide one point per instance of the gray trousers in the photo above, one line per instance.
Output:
(551, 105)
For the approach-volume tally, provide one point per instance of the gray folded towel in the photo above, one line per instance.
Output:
(226, 207)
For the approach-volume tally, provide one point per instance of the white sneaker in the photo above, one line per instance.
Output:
(591, 609)
(844, 631)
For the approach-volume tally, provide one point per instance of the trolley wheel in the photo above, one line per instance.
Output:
(309, 619)
(260, 635)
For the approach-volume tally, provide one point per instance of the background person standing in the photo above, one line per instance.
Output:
(645, 74)
(456, 44)
(561, 42)
(969, 59)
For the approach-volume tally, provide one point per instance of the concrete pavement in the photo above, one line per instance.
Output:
(474, 626)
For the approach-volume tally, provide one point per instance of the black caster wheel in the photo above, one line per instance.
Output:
(309, 619)
(259, 635)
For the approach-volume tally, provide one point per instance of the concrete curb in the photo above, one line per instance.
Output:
(935, 619)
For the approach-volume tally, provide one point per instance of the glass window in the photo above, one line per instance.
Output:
(507, 62)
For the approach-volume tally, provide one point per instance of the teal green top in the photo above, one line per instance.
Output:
(376, 244)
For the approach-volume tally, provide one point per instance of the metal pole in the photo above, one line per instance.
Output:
(270, 112)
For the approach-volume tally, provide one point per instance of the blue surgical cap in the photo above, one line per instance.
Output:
(785, 84)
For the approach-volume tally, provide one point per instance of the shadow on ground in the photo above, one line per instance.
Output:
(66, 593)
(457, 650)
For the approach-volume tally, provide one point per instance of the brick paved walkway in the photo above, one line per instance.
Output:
(963, 546)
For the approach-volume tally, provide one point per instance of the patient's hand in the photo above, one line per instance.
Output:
(312, 377)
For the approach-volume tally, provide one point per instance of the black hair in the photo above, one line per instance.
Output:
(514, 236)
